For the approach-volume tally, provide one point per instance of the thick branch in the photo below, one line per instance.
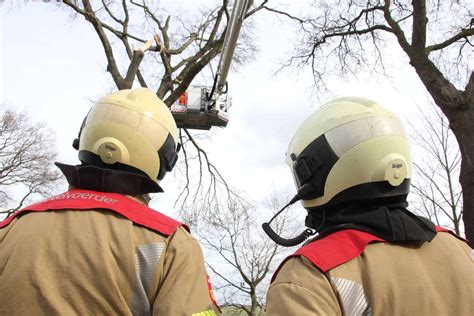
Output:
(368, 30)
(137, 57)
(183, 46)
(463, 34)
(191, 70)
(418, 40)
(88, 13)
(397, 30)
(220, 14)
(261, 6)
(104, 25)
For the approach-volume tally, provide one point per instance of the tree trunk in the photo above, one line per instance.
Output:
(458, 106)
(466, 138)
(463, 129)
(254, 306)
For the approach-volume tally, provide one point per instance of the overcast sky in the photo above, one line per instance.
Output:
(54, 67)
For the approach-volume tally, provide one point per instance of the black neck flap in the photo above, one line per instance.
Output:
(108, 180)
(390, 220)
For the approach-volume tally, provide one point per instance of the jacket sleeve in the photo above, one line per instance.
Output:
(301, 289)
(184, 288)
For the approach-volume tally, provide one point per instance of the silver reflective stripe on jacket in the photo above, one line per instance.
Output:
(353, 299)
(146, 261)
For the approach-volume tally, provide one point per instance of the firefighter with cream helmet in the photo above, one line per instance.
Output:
(98, 248)
(351, 165)
(131, 132)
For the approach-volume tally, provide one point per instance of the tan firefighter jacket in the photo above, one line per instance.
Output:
(434, 278)
(100, 261)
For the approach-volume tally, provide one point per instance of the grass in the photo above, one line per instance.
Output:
(235, 311)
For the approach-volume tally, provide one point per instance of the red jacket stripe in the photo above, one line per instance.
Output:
(338, 248)
(92, 200)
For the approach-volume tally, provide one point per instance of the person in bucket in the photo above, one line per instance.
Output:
(352, 167)
(98, 249)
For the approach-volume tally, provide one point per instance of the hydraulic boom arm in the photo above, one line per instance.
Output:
(230, 41)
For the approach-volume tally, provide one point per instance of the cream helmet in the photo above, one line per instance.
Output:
(131, 131)
(351, 148)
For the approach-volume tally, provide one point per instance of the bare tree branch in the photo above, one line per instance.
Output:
(464, 34)
(247, 257)
(26, 156)
(434, 182)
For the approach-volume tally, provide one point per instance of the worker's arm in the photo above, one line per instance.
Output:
(184, 286)
(301, 289)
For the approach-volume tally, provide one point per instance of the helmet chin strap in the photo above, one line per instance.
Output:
(287, 242)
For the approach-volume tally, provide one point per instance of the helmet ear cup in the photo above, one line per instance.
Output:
(75, 142)
(392, 168)
(168, 154)
(306, 191)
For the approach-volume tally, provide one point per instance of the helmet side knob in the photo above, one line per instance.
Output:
(393, 169)
(111, 150)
